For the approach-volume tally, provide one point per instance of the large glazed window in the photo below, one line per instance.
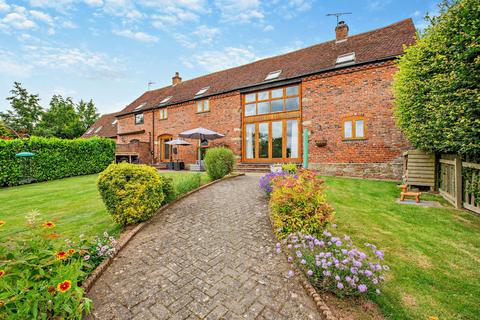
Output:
(272, 101)
(250, 141)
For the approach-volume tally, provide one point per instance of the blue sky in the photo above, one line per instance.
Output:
(108, 50)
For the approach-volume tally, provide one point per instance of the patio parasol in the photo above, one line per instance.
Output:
(201, 134)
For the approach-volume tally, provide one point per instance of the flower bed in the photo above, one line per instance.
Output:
(41, 273)
(300, 216)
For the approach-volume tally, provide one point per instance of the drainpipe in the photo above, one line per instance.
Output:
(153, 138)
(305, 148)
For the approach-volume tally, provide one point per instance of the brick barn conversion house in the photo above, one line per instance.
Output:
(340, 91)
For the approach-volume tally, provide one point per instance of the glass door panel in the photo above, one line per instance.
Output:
(277, 139)
(263, 140)
(250, 141)
(292, 139)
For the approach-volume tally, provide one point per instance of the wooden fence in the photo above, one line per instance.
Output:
(459, 182)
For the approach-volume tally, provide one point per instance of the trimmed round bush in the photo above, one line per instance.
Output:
(219, 162)
(168, 189)
(132, 193)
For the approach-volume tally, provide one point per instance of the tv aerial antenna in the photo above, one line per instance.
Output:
(337, 14)
(149, 84)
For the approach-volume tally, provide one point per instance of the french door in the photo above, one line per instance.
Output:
(165, 149)
(272, 141)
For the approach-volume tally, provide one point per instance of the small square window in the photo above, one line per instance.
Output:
(354, 128)
(203, 106)
(139, 118)
(263, 95)
(273, 75)
(277, 93)
(263, 107)
(250, 109)
(250, 97)
(292, 104)
(163, 114)
(277, 105)
(291, 91)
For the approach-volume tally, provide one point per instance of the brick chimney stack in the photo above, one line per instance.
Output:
(341, 31)
(176, 79)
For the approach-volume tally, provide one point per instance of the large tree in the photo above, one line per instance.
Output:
(25, 110)
(60, 120)
(436, 90)
(87, 113)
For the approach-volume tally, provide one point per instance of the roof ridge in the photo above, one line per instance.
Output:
(281, 55)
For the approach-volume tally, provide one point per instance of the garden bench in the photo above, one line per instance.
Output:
(406, 193)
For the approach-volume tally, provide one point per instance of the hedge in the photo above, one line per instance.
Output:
(54, 158)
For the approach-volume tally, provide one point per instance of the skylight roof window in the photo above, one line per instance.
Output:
(346, 58)
(98, 129)
(114, 122)
(140, 106)
(273, 75)
(90, 130)
(202, 91)
(166, 100)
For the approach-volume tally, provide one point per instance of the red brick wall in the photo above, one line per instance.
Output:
(328, 98)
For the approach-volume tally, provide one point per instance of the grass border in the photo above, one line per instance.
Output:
(127, 235)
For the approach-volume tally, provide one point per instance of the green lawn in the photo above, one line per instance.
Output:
(434, 253)
(74, 204)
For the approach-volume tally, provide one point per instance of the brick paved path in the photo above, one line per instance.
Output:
(209, 256)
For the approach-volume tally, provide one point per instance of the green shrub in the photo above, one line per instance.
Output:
(168, 190)
(298, 204)
(132, 193)
(437, 87)
(289, 167)
(219, 162)
(187, 182)
(55, 158)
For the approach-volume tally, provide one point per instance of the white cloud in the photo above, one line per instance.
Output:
(59, 5)
(184, 40)
(136, 35)
(4, 6)
(268, 28)
(81, 62)
(10, 65)
(122, 8)
(235, 11)
(290, 9)
(378, 4)
(41, 16)
(218, 60)
(94, 3)
(18, 19)
(206, 34)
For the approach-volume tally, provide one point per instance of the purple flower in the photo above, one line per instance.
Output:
(278, 250)
(340, 285)
(379, 254)
(299, 254)
(87, 257)
(310, 273)
(334, 226)
(337, 278)
(338, 243)
(362, 288)
(278, 245)
(290, 259)
(346, 238)
(303, 261)
(368, 273)
(290, 273)
(327, 234)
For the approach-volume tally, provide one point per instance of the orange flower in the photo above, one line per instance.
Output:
(2, 273)
(64, 286)
(61, 255)
(2, 223)
(53, 236)
(82, 252)
(71, 251)
(48, 225)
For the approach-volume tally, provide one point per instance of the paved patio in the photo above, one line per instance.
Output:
(209, 256)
